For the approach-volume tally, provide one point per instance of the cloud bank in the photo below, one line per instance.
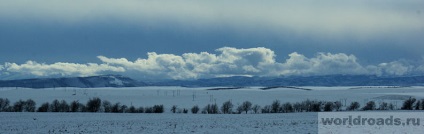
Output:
(361, 17)
(226, 61)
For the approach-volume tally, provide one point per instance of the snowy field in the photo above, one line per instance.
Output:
(157, 123)
(185, 98)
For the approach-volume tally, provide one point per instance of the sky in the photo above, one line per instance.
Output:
(186, 39)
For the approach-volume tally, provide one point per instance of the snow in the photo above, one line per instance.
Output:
(185, 98)
(156, 123)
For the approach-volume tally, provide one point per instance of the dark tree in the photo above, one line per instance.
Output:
(239, 109)
(4, 105)
(329, 106)
(63, 107)
(337, 105)
(93, 105)
(353, 106)
(123, 109)
(417, 105)
(287, 107)
(297, 107)
(148, 109)
(383, 106)
(132, 109)
(174, 108)
(116, 108)
(29, 106)
(227, 107)
(55, 106)
(266, 109)
(158, 109)
(140, 110)
(246, 106)
(75, 106)
(107, 106)
(211, 109)
(195, 109)
(185, 110)
(408, 104)
(44, 107)
(275, 106)
(369, 106)
(422, 104)
(256, 108)
(19, 106)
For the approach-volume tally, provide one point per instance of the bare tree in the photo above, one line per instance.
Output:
(29, 105)
(256, 108)
(93, 105)
(227, 107)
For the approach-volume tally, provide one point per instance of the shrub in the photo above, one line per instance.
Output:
(140, 110)
(383, 106)
(195, 109)
(337, 105)
(158, 109)
(174, 109)
(123, 109)
(328, 107)
(266, 109)
(287, 107)
(353, 106)
(132, 110)
(297, 107)
(93, 105)
(369, 106)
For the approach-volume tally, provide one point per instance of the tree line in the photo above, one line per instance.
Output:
(92, 105)
(97, 105)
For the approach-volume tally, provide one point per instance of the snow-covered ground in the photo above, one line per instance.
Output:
(157, 123)
(185, 98)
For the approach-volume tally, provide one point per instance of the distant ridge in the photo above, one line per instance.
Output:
(81, 82)
(237, 81)
(329, 80)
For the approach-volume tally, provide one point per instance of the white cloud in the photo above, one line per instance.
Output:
(60, 68)
(227, 61)
(395, 68)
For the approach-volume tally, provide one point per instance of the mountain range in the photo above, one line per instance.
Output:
(236, 81)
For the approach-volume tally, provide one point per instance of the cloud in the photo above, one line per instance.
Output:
(60, 69)
(227, 61)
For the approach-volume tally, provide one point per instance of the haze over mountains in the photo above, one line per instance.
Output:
(236, 81)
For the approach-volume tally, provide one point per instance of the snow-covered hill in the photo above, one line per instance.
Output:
(237, 81)
(82, 82)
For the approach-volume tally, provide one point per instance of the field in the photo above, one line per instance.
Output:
(186, 98)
